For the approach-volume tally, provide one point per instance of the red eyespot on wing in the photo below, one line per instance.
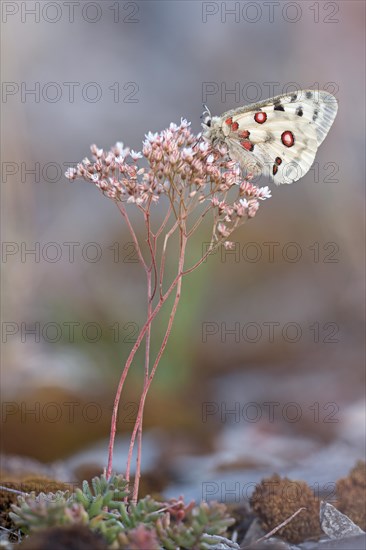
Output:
(278, 160)
(288, 138)
(246, 144)
(260, 117)
(274, 169)
(234, 126)
(244, 134)
(229, 121)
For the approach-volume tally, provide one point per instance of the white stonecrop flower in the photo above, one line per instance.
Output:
(152, 138)
(264, 193)
(135, 154)
(119, 146)
(187, 153)
(71, 173)
(184, 123)
(110, 158)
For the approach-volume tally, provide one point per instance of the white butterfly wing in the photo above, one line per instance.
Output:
(267, 152)
(280, 136)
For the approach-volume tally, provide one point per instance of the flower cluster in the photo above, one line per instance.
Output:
(180, 165)
(231, 214)
(114, 173)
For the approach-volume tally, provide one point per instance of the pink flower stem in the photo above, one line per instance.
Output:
(133, 234)
(150, 296)
(134, 349)
(199, 221)
(146, 377)
(162, 265)
(151, 239)
(199, 262)
(165, 221)
(157, 360)
(127, 367)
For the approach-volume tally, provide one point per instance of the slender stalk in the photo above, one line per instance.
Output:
(151, 239)
(278, 527)
(203, 258)
(127, 367)
(199, 221)
(162, 264)
(157, 360)
(122, 209)
(150, 296)
(165, 221)
(145, 328)
(136, 346)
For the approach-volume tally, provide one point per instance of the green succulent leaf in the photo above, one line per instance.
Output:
(102, 507)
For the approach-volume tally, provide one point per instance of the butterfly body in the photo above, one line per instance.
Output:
(279, 136)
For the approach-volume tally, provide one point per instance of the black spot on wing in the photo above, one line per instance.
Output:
(293, 98)
(309, 95)
(299, 111)
(315, 115)
(278, 107)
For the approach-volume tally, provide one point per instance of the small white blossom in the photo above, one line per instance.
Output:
(122, 152)
(152, 138)
(223, 230)
(167, 135)
(109, 158)
(187, 153)
(119, 146)
(71, 173)
(135, 154)
(264, 193)
(184, 123)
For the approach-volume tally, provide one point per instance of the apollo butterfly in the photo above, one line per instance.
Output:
(278, 137)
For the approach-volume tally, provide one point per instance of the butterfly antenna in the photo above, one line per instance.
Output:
(206, 111)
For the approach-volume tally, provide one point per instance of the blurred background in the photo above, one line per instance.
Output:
(284, 390)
